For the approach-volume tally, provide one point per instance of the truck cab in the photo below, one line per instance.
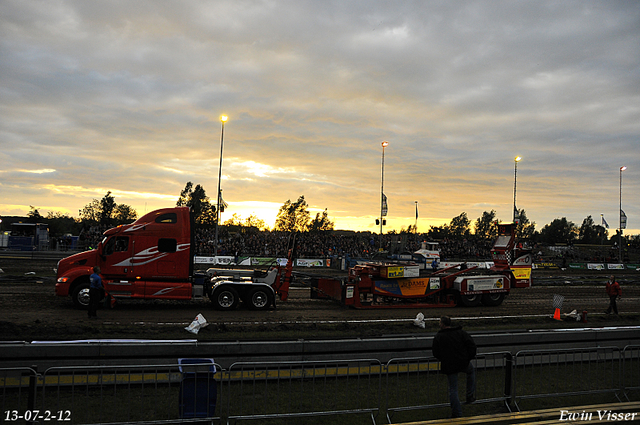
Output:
(149, 258)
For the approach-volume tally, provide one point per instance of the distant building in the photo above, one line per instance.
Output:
(29, 237)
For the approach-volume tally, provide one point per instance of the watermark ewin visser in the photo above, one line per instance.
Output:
(602, 415)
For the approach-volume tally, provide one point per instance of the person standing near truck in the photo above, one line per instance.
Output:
(96, 291)
(614, 291)
(455, 349)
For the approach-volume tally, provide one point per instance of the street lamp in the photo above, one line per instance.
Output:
(515, 182)
(383, 211)
(223, 119)
(620, 213)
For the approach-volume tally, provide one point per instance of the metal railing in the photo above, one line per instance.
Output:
(125, 394)
(631, 370)
(299, 389)
(567, 372)
(252, 391)
(415, 384)
(18, 389)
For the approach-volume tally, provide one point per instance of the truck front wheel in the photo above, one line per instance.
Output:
(259, 299)
(80, 295)
(225, 298)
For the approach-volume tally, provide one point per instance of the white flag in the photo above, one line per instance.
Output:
(604, 222)
(223, 204)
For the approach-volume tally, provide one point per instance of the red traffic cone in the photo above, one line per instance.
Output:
(556, 315)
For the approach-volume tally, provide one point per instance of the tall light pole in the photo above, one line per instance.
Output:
(515, 182)
(382, 203)
(620, 212)
(223, 119)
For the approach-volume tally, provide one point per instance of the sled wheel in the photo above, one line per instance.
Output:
(470, 300)
(492, 299)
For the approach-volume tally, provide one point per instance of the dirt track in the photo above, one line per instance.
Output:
(29, 310)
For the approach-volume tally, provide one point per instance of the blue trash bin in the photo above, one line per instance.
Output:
(198, 388)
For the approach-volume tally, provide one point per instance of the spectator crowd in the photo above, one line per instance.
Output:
(328, 244)
(254, 243)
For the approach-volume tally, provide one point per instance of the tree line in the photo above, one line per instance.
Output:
(295, 217)
(559, 231)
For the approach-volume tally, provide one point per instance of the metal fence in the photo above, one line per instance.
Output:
(631, 372)
(299, 389)
(416, 384)
(290, 391)
(567, 372)
(19, 389)
(116, 394)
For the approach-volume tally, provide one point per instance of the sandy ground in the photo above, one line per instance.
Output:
(29, 310)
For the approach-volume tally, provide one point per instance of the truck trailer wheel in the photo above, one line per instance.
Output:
(80, 295)
(259, 299)
(492, 300)
(225, 298)
(470, 300)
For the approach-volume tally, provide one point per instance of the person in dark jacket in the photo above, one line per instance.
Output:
(455, 349)
(96, 291)
(613, 290)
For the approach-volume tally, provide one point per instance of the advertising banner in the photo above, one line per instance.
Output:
(521, 272)
(242, 261)
(524, 260)
(545, 266)
(475, 283)
(305, 262)
(481, 265)
(404, 287)
(400, 271)
(222, 260)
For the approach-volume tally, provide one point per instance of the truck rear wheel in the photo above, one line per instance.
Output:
(470, 300)
(492, 300)
(80, 295)
(225, 298)
(259, 299)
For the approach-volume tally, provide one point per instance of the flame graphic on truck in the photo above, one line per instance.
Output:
(148, 255)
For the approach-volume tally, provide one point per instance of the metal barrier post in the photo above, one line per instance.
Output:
(508, 376)
(630, 369)
(31, 398)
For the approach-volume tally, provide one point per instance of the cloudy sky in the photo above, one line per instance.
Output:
(126, 96)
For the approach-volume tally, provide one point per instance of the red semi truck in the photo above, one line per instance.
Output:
(152, 258)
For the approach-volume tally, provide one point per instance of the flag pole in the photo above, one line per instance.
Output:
(382, 212)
